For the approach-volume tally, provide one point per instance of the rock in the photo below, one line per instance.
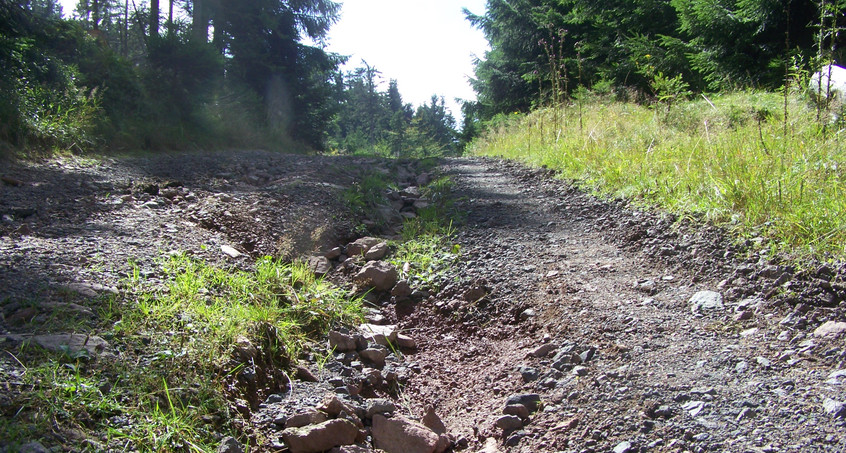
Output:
(375, 355)
(341, 342)
(831, 329)
(694, 407)
(309, 417)
(530, 400)
(72, 343)
(528, 374)
(379, 275)
(580, 371)
(399, 435)
(527, 314)
(474, 294)
(379, 406)
(33, 447)
(508, 423)
(402, 290)
(377, 252)
(836, 409)
(383, 335)
(334, 253)
(406, 342)
(432, 421)
(230, 252)
(360, 246)
(623, 447)
(836, 377)
(351, 449)
(230, 445)
(320, 437)
(518, 410)
(542, 350)
(763, 361)
(333, 406)
(244, 350)
(319, 265)
(10, 181)
(705, 301)
(304, 374)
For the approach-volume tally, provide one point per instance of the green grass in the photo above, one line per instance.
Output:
(726, 158)
(172, 387)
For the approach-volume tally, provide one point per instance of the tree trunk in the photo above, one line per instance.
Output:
(154, 18)
(201, 22)
(95, 15)
(170, 19)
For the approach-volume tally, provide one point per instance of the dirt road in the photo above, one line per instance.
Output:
(608, 327)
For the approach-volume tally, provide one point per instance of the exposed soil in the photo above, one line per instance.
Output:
(582, 301)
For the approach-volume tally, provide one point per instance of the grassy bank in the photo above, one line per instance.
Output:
(732, 158)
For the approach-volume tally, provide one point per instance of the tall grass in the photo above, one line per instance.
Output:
(725, 157)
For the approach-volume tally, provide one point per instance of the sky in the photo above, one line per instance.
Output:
(426, 45)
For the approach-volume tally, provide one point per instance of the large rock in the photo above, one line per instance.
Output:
(380, 275)
(530, 400)
(828, 83)
(320, 437)
(399, 435)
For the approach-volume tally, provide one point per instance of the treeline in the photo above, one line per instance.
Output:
(195, 73)
(543, 50)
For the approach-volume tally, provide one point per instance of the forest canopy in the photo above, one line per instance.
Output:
(197, 73)
(541, 49)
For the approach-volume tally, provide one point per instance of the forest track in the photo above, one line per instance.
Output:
(631, 365)
(581, 301)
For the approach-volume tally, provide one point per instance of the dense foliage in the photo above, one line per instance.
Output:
(129, 75)
(544, 49)
(371, 121)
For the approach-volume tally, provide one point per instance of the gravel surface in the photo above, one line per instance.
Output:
(570, 323)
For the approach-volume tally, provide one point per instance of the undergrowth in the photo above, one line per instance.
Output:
(178, 371)
(726, 158)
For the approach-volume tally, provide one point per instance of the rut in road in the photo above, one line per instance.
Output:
(551, 297)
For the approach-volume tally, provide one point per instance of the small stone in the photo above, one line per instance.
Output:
(361, 246)
(406, 342)
(304, 374)
(836, 409)
(741, 367)
(623, 447)
(333, 406)
(528, 374)
(379, 275)
(379, 334)
(319, 265)
(230, 251)
(836, 377)
(763, 361)
(377, 252)
(542, 350)
(341, 342)
(432, 421)
(509, 423)
(530, 400)
(517, 410)
(399, 435)
(580, 371)
(375, 355)
(379, 406)
(334, 253)
(831, 329)
(694, 407)
(320, 437)
(528, 314)
(310, 417)
(402, 290)
(705, 301)
(744, 315)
